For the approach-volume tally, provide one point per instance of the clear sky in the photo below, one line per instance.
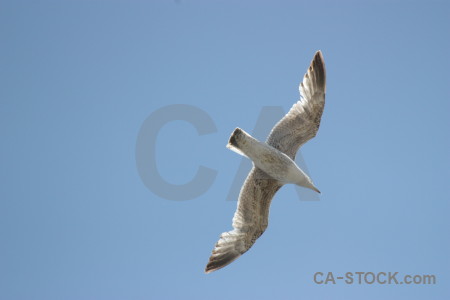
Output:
(79, 79)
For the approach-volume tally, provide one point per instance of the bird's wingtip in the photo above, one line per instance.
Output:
(211, 267)
(208, 268)
(319, 55)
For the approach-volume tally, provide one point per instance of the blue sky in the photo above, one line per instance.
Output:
(79, 78)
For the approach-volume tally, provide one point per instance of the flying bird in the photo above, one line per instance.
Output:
(273, 166)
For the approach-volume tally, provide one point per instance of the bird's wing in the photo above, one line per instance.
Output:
(301, 123)
(249, 222)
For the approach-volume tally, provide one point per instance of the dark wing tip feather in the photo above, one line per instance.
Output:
(318, 67)
(219, 260)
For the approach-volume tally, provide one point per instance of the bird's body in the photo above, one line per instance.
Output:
(273, 167)
(273, 162)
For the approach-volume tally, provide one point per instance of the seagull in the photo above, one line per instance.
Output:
(273, 166)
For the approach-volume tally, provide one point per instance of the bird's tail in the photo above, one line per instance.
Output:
(238, 139)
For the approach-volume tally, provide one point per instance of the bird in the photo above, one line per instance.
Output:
(273, 166)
